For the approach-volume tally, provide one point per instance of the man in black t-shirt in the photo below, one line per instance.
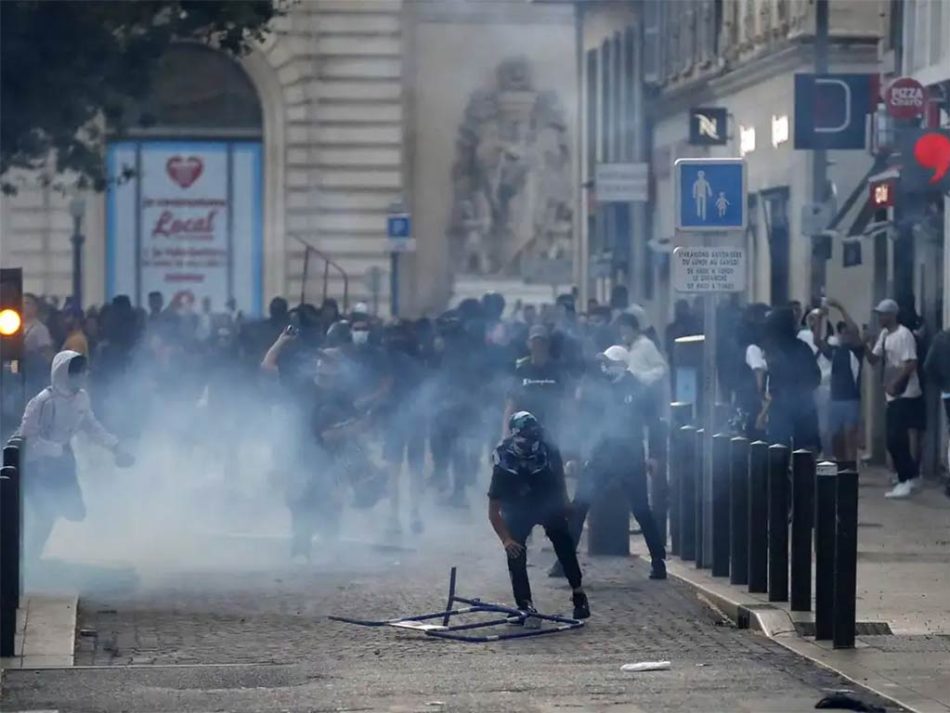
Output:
(527, 489)
(539, 384)
(616, 450)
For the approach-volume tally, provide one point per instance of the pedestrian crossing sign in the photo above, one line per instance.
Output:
(710, 194)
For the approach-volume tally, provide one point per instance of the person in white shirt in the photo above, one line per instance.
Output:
(50, 420)
(897, 349)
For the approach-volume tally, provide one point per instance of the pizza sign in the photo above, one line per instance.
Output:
(905, 98)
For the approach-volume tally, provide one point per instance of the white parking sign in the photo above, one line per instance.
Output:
(706, 270)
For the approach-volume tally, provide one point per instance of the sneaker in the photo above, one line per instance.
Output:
(531, 619)
(658, 569)
(916, 483)
(901, 490)
(556, 569)
(581, 605)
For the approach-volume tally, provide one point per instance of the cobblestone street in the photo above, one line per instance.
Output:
(260, 641)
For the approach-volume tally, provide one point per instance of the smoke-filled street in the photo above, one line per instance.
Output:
(260, 641)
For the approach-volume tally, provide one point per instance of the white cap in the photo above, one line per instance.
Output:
(887, 306)
(617, 353)
(361, 308)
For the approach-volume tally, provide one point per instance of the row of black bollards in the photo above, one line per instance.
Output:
(11, 511)
(769, 505)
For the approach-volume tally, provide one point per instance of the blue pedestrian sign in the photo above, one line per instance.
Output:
(710, 194)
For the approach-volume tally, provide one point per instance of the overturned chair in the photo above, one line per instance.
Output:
(444, 629)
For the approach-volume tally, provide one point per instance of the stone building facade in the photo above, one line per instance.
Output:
(461, 111)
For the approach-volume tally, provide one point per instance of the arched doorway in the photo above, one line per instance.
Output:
(189, 216)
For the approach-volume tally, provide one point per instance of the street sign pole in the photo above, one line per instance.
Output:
(711, 200)
(394, 283)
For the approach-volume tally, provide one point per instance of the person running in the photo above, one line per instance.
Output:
(527, 489)
(50, 421)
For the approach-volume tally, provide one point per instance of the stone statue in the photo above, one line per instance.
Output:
(513, 194)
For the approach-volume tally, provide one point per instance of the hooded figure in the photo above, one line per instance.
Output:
(50, 421)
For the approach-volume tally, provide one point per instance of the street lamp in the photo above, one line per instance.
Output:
(77, 208)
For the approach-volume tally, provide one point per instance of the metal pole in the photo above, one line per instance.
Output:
(688, 467)
(825, 506)
(819, 156)
(758, 516)
(394, 283)
(846, 560)
(9, 558)
(702, 553)
(77, 240)
(659, 485)
(778, 523)
(681, 414)
(739, 510)
(803, 515)
(720, 509)
(709, 416)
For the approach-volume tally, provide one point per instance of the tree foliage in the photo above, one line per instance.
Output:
(69, 68)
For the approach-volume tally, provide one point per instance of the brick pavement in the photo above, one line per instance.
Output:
(260, 641)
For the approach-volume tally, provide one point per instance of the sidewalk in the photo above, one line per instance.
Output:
(46, 629)
(903, 581)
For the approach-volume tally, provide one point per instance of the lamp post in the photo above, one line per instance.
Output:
(77, 208)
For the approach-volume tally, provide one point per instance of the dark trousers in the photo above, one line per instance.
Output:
(899, 421)
(630, 470)
(452, 450)
(557, 531)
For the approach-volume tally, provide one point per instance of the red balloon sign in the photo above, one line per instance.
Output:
(905, 98)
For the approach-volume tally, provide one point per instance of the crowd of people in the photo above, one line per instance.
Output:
(370, 411)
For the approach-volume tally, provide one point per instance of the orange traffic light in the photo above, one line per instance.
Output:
(10, 322)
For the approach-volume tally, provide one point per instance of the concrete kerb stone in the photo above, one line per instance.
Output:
(779, 625)
(46, 633)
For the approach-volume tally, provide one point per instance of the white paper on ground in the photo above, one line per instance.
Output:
(646, 666)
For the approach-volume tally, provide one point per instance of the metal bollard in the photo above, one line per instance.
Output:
(720, 506)
(825, 498)
(9, 557)
(659, 484)
(758, 517)
(846, 560)
(778, 523)
(702, 556)
(681, 414)
(687, 467)
(803, 516)
(739, 510)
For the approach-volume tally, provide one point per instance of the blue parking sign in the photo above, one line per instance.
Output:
(399, 226)
(710, 194)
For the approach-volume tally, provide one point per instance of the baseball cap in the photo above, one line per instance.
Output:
(538, 331)
(616, 353)
(887, 306)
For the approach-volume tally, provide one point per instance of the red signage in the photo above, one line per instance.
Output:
(932, 152)
(882, 193)
(905, 98)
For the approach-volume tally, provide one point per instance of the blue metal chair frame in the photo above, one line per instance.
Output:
(446, 630)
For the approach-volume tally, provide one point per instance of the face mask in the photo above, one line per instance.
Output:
(76, 382)
(360, 337)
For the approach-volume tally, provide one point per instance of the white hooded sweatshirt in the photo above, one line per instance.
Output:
(55, 414)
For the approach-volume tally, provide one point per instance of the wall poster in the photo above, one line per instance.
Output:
(189, 220)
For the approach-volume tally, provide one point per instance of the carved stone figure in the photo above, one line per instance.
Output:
(511, 178)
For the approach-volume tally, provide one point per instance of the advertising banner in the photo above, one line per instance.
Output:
(188, 222)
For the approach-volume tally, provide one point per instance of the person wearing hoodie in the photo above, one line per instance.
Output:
(50, 420)
(617, 453)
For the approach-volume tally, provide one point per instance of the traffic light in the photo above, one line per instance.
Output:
(11, 314)
(925, 161)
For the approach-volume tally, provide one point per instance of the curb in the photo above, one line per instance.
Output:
(778, 624)
(46, 633)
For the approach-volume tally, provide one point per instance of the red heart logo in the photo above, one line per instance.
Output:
(184, 171)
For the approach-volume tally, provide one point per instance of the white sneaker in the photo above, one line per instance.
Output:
(901, 490)
(916, 483)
